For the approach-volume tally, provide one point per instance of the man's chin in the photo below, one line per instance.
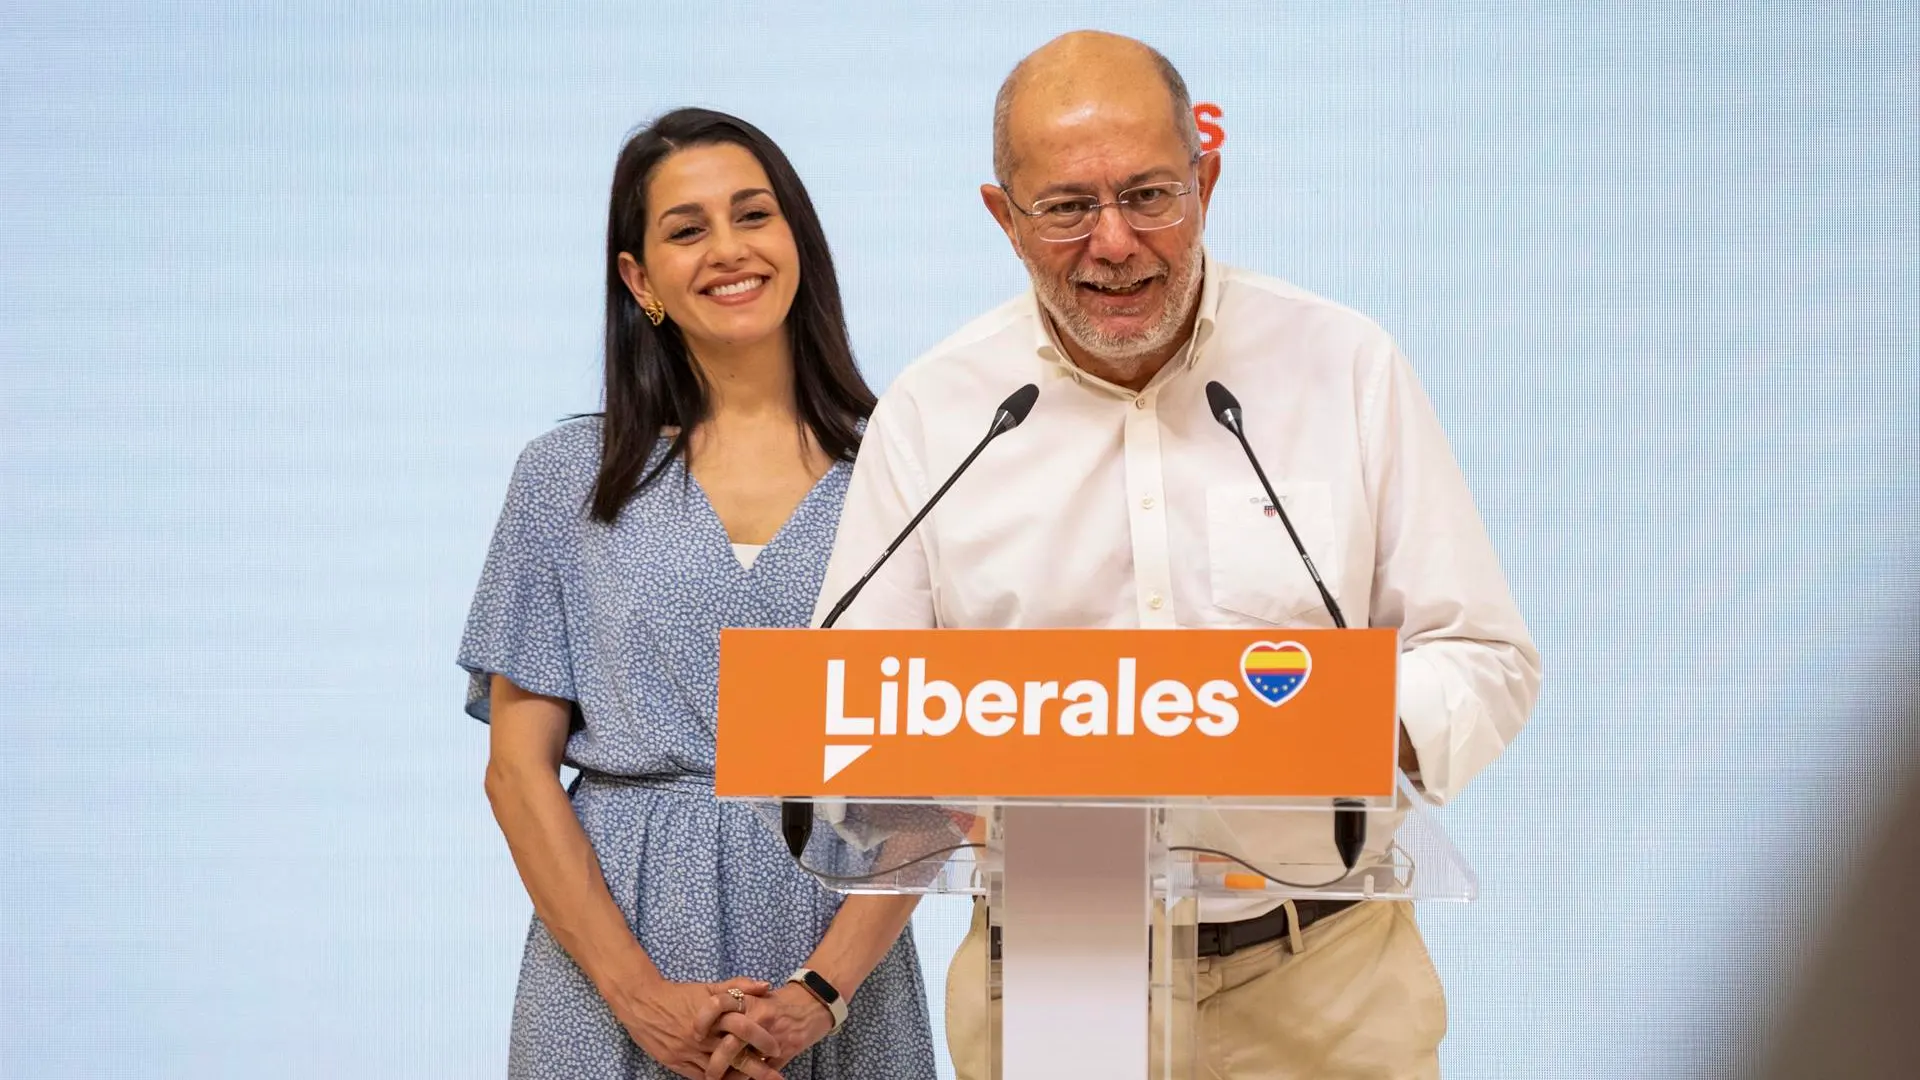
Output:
(1104, 334)
(1120, 331)
(1116, 349)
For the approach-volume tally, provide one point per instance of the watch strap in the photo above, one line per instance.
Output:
(814, 983)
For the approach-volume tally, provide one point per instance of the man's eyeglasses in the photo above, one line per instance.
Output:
(1066, 218)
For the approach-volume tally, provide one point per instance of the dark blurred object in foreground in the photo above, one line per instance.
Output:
(1857, 1014)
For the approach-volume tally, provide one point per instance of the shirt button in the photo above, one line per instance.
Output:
(1155, 602)
(1140, 403)
(1147, 503)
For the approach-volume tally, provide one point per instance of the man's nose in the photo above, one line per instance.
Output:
(1113, 240)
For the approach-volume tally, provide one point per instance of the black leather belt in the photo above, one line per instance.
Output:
(1227, 938)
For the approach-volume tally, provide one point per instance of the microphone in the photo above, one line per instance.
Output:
(796, 819)
(1349, 815)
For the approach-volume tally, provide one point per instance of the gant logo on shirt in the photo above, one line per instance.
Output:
(1014, 713)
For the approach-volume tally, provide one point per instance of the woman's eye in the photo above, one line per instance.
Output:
(755, 217)
(684, 232)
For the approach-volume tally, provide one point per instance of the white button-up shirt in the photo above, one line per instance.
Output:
(1110, 508)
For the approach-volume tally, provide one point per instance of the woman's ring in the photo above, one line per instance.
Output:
(739, 997)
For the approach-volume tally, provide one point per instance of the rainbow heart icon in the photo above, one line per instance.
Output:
(1276, 671)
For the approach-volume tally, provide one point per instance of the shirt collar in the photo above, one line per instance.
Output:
(1059, 364)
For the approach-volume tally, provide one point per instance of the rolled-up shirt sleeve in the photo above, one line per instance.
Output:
(1469, 671)
(887, 489)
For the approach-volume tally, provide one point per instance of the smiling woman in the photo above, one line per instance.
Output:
(711, 230)
(725, 273)
(672, 935)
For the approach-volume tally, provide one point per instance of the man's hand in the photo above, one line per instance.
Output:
(1409, 760)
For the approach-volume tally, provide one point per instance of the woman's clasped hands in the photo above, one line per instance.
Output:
(790, 1019)
(726, 1030)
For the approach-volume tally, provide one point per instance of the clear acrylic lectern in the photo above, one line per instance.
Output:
(1076, 987)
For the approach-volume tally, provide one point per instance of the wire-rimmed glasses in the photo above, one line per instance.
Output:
(1066, 218)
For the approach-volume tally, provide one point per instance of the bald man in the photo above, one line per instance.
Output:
(1121, 503)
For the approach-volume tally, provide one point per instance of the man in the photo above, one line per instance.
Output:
(1120, 503)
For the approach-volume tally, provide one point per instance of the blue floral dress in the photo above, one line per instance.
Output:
(624, 620)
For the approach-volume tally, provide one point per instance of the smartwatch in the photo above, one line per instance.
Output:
(814, 984)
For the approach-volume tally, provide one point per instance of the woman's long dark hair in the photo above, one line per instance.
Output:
(651, 380)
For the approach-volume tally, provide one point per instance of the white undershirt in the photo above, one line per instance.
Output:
(746, 553)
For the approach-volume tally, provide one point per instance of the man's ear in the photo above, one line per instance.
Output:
(1001, 207)
(1209, 176)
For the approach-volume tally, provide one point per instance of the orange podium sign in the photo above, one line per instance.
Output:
(1057, 713)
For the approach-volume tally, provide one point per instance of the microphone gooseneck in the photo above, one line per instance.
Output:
(1011, 413)
(796, 818)
(1226, 410)
(1349, 815)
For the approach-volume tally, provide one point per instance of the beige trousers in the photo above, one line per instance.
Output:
(1359, 1001)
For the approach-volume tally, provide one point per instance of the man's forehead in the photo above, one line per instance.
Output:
(1082, 103)
(1093, 142)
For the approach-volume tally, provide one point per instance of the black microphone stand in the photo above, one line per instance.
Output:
(796, 818)
(1349, 815)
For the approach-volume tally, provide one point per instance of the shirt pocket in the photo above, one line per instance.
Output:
(1252, 566)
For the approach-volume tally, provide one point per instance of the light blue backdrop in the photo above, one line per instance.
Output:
(283, 293)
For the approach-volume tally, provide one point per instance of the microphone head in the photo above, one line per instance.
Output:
(1014, 410)
(1226, 407)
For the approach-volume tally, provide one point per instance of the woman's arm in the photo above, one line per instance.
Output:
(860, 935)
(528, 735)
(672, 1022)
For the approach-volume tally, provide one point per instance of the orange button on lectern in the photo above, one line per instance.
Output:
(1057, 713)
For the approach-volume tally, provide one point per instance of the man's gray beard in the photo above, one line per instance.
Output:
(1127, 355)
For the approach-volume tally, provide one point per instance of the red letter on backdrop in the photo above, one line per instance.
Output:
(1211, 134)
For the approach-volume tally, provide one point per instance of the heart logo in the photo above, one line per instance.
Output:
(1275, 671)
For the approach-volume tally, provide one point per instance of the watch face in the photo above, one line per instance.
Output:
(821, 987)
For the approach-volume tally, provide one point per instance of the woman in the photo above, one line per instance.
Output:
(666, 924)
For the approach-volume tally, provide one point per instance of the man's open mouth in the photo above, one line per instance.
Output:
(1130, 289)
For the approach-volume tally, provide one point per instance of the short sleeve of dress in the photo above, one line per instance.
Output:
(517, 626)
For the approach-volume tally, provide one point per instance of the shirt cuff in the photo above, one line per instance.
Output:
(1424, 715)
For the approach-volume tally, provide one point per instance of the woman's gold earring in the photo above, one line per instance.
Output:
(656, 311)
